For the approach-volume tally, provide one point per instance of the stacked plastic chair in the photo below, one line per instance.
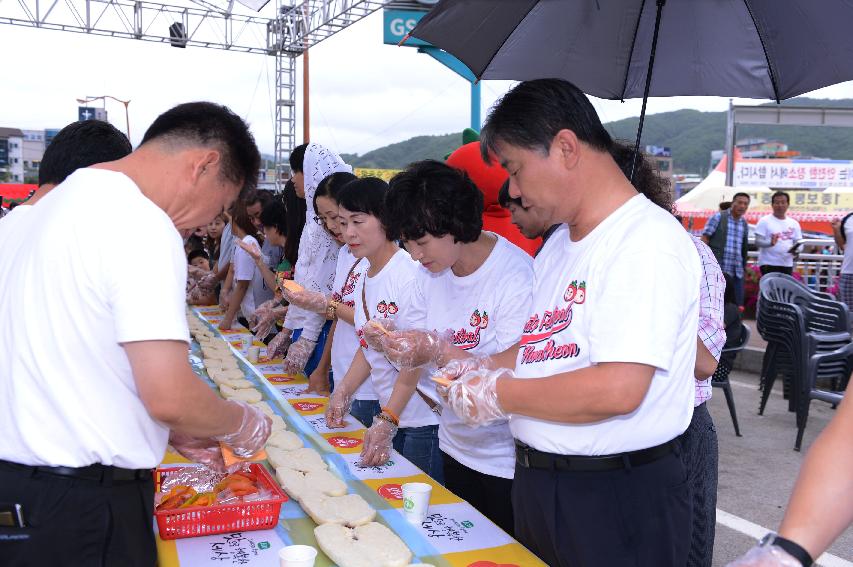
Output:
(808, 340)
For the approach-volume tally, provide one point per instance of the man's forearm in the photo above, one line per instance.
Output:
(201, 413)
(587, 395)
(821, 505)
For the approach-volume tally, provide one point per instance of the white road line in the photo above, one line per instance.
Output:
(751, 386)
(755, 531)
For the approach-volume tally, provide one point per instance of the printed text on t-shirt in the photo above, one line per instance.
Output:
(542, 328)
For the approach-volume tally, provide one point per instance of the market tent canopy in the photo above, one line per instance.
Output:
(710, 197)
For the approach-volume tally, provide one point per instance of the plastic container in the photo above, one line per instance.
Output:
(218, 519)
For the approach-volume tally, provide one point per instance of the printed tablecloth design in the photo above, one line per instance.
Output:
(454, 534)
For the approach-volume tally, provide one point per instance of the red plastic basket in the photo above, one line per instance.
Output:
(209, 520)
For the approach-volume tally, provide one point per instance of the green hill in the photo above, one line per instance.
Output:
(691, 135)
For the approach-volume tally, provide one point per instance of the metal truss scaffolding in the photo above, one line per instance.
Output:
(295, 28)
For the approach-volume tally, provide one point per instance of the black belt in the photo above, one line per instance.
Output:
(96, 472)
(530, 458)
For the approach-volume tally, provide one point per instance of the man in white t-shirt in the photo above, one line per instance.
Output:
(775, 235)
(601, 383)
(87, 401)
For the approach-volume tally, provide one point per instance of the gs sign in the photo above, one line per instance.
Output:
(400, 22)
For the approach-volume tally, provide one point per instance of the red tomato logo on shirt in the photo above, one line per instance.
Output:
(475, 318)
(484, 320)
(571, 291)
(392, 308)
(390, 491)
(581, 295)
(382, 307)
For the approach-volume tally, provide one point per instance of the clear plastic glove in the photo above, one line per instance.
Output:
(265, 324)
(415, 347)
(203, 451)
(339, 407)
(208, 282)
(378, 442)
(474, 398)
(306, 299)
(259, 311)
(279, 345)
(766, 556)
(254, 431)
(298, 355)
(375, 331)
(459, 366)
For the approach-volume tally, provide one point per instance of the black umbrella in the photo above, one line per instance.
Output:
(772, 49)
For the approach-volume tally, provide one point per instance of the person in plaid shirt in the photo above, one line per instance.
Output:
(726, 233)
(699, 442)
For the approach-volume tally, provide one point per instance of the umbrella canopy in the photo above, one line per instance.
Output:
(742, 48)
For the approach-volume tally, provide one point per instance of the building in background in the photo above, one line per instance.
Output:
(756, 148)
(11, 155)
(34, 145)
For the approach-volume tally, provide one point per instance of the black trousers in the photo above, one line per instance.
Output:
(633, 517)
(77, 523)
(701, 455)
(488, 494)
(780, 269)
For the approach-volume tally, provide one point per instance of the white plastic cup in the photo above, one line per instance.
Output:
(297, 556)
(416, 501)
(254, 354)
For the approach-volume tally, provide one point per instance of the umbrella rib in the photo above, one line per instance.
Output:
(631, 53)
(764, 49)
(501, 46)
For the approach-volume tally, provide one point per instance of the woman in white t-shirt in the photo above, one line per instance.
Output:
(477, 286)
(245, 274)
(338, 306)
(386, 292)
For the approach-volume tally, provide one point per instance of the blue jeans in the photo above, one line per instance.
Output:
(420, 446)
(314, 360)
(738, 285)
(364, 410)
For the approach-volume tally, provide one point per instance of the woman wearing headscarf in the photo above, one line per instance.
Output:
(315, 267)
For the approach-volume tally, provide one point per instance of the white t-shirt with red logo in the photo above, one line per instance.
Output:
(788, 231)
(624, 293)
(485, 311)
(350, 270)
(392, 294)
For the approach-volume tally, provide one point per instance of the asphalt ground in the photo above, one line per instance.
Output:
(758, 471)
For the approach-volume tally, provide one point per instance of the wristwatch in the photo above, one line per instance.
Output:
(792, 548)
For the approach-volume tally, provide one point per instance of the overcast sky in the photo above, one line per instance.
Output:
(363, 94)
